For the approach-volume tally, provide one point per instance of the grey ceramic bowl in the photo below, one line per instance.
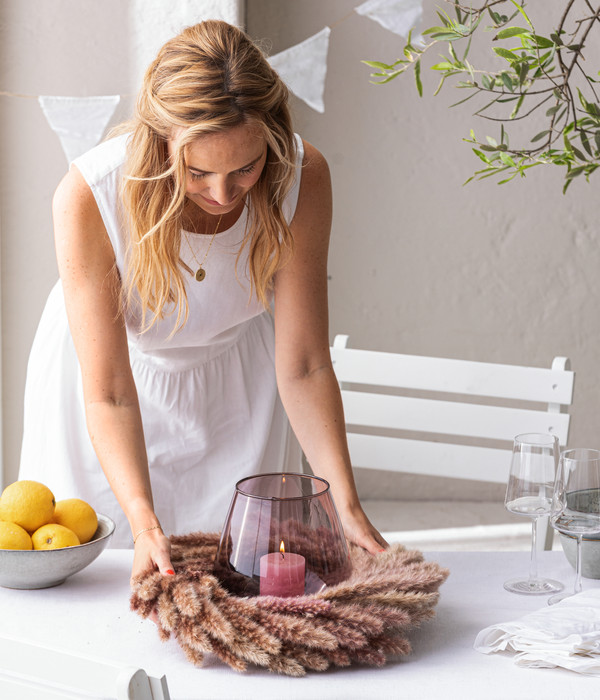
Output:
(587, 501)
(590, 554)
(46, 568)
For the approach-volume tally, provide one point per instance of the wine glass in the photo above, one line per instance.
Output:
(576, 502)
(529, 492)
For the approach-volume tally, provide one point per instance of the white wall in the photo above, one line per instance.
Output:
(420, 264)
(60, 47)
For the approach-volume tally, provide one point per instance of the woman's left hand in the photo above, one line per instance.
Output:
(359, 530)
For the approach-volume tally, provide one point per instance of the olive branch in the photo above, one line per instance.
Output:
(543, 77)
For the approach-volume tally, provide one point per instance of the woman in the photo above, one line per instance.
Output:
(173, 239)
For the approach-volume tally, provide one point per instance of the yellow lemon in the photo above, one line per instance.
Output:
(54, 536)
(78, 516)
(13, 536)
(28, 504)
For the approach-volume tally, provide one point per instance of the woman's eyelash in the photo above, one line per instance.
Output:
(246, 171)
(241, 171)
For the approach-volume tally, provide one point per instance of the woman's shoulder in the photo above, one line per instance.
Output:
(316, 177)
(314, 163)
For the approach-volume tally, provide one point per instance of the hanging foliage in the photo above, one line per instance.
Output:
(542, 79)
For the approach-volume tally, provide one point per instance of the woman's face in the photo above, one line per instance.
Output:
(222, 167)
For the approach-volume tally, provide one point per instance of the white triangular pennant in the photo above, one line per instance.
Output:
(303, 68)
(399, 16)
(79, 122)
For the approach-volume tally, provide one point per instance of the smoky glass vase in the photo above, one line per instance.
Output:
(282, 536)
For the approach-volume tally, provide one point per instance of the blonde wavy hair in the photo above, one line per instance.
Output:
(208, 79)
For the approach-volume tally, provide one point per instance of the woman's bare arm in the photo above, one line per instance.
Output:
(91, 288)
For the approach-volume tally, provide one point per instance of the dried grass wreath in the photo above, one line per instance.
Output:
(361, 620)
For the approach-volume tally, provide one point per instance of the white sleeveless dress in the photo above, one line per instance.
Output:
(208, 395)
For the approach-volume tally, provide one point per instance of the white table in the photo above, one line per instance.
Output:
(90, 614)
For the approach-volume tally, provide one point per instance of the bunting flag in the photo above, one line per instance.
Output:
(303, 68)
(399, 16)
(79, 122)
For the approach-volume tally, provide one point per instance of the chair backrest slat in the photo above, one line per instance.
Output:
(453, 376)
(449, 417)
(429, 458)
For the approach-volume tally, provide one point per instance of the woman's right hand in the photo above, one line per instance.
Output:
(152, 552)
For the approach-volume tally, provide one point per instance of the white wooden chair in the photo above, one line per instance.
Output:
(36, 672)
(448, 408)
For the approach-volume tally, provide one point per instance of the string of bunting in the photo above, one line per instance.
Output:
(79, 122)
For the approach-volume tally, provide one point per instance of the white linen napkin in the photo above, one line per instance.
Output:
(566, 634)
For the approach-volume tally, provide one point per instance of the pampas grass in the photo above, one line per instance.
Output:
(364, 619)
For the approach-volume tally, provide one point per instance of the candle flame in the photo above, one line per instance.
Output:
(283, 479)
(282, 549)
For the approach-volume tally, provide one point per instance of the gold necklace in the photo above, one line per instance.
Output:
(200, 273)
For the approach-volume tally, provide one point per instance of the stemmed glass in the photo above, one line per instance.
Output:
(529, 492)
(576, 503)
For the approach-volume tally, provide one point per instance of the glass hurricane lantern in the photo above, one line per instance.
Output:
(282, 536)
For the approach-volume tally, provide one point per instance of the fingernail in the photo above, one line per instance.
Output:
(170, 572)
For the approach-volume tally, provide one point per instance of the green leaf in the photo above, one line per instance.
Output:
(511, 31)
(594, 109)
(418, 78)
(543, 42)
(507, 160)
(523, 70)
(466, 53)
(585, 142)
(446, 36)
(464, 100)
(443, 65)
(508, 179)
(553, 110)
(505, 53)
(574, 172)
(378, 64)
(540, 136)
(522, 11)
(453, 54)
(433, 30)
(597, 139)
(445, 21)
(507, 81)
(517, 107)
(481, 155)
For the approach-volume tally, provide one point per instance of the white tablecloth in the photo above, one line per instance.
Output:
(90, 614)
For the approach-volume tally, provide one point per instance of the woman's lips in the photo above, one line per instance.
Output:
(213, 203)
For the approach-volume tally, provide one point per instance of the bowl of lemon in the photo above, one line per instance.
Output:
(44, 541)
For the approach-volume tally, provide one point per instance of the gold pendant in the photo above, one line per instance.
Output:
(200, 274)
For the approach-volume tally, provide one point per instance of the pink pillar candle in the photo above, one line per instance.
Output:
(282, 574)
